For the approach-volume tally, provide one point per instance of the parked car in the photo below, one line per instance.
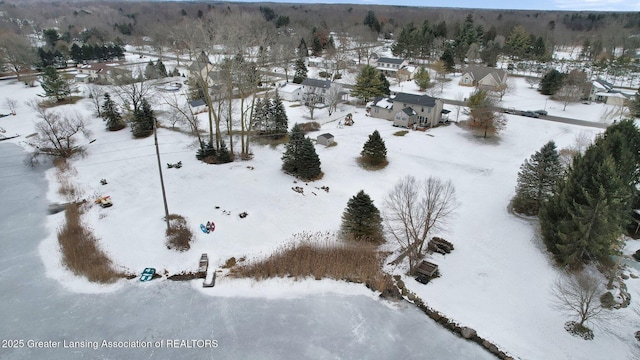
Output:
(541, 112)
(511, 111)
(530, 114)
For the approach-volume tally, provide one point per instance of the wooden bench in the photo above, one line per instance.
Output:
(427, 268)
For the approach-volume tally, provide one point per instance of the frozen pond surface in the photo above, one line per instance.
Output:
(315, 327)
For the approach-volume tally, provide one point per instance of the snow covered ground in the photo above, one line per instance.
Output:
(496, 281)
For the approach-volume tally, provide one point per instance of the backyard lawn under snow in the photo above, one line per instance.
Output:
(496, 281)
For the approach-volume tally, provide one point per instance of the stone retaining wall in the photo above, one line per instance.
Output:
(462, 331)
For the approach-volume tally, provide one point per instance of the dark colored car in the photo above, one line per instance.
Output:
(541, 112)
(530, 114)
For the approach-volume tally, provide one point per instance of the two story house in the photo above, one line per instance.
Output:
(408, 110)
(390, 66)
(314, 88)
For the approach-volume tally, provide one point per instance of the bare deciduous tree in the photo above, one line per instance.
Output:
(57, 134)
(578, 295)
(132, 90)
(333, 97)
(532, 81)
(414, 209)
(182, 113)
(312, 100)
(96, 92)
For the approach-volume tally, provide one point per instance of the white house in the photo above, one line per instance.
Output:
(407, 110)
(315, 88)
(290, 91)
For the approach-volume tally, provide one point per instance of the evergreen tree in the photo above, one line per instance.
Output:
(206, 152)
(372, 21)
(384, 85)
(143, 120)
(368, 84)
(259, 120)
(303, 50)
(551, 82)
(175, 72)
(584, 220)
(289, 159)
(308, 162)
(224, 155)
(76, 54)
(301, 71)
(422, 78)
(161, 70)
(54, 85)
(374, 151)
(316, 45)
(448, 60)
(110, 114)
(150, 71)
(537, 179)
(196, 89)
(279, 115)
(361, 219)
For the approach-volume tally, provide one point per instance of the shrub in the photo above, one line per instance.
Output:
(310, 126)
(401, 133)
(178, 235)
(231, 262)
(80, 251)
(607, 300)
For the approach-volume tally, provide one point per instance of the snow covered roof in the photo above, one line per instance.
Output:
(288, 88)
(383, 102)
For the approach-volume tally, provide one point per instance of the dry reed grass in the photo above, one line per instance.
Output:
(179, 235)
(80, 251)
(319, 257)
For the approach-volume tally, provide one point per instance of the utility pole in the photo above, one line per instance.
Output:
(164, 194)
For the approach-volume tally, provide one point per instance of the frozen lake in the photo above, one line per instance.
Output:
(175, 321)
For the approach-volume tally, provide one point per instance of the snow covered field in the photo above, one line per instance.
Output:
(496, 281)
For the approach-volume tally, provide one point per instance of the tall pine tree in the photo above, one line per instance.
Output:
(368, 84)
(584, 220)
(301, 71)
(279, 116)
(308, 161)
(54, 85)
(361, 220)
(111, 115)
(374, 151)
(300, 157)
(289, 163)
(142, 125)
(537, 179)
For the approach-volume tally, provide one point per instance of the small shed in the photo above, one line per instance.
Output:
(198, 106)
(325, 139)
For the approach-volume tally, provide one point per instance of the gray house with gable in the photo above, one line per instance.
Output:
(407, 110)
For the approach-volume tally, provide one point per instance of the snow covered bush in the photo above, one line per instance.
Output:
(178, 235)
